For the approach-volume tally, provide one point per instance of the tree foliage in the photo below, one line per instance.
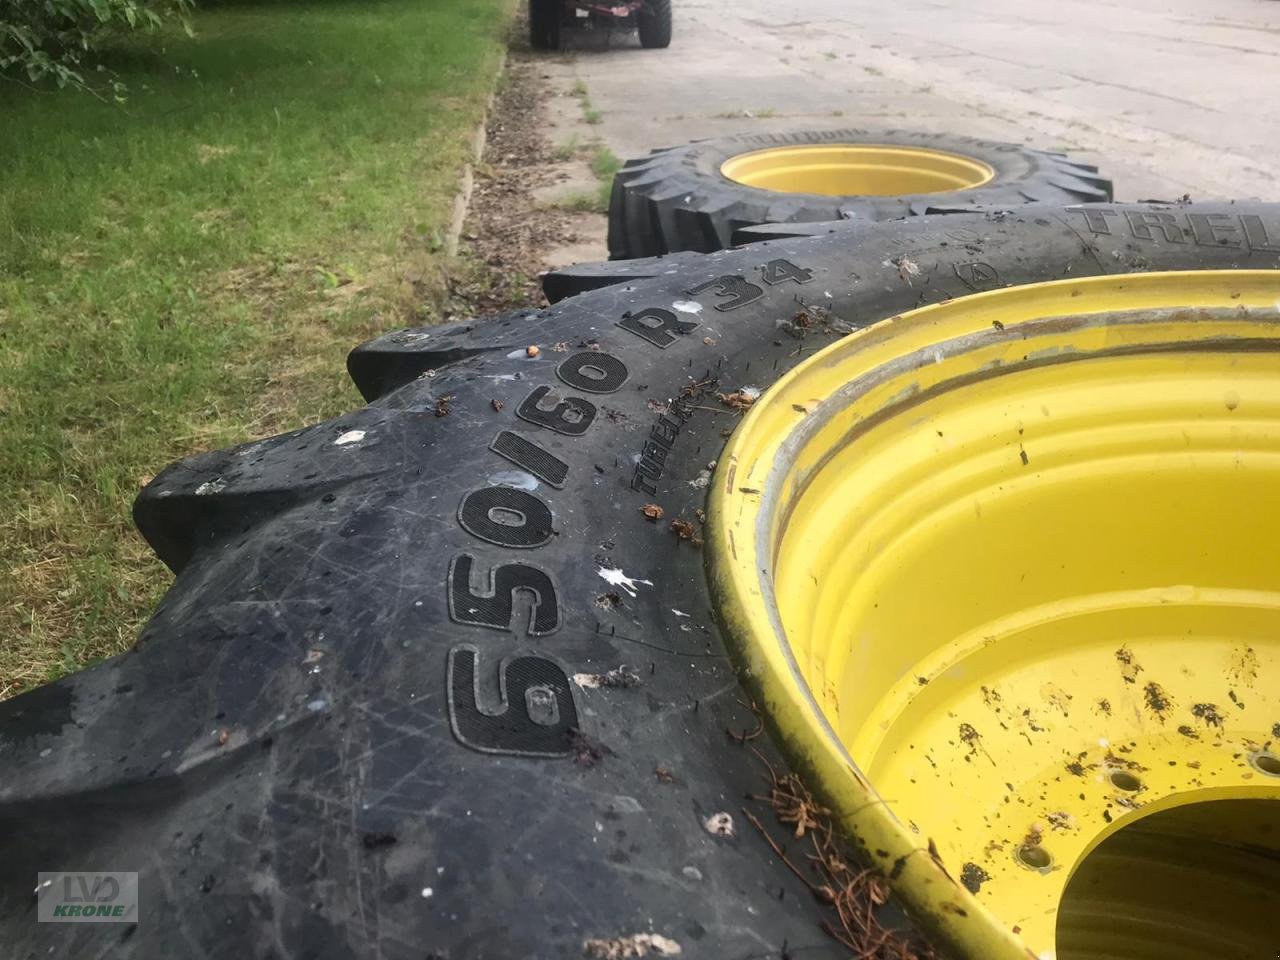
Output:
(54, 40)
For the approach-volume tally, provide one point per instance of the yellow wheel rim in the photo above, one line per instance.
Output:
(848, 170)
(1005, 572)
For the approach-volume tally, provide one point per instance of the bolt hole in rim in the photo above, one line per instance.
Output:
(1126, 781)
(856, 170)
(1035, 857)
(1267, 763)
(1002, 571)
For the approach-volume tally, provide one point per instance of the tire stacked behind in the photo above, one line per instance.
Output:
(677, 198)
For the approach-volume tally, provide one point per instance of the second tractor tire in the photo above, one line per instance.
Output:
(694, 196)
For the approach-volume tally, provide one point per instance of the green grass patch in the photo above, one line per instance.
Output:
(605, 163)
(584, 201)
(589, 113)
(189, 269)
(568, 149)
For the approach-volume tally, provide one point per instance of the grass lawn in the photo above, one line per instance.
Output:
(187, 270)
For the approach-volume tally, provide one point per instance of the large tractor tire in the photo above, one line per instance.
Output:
(653, 23)
(544, 24)
(694, 196)
(447, 676)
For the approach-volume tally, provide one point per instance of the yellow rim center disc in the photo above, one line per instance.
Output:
(850, 170)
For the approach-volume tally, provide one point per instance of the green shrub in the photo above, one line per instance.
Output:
(52, 40)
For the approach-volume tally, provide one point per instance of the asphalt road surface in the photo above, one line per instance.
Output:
(1169, 97)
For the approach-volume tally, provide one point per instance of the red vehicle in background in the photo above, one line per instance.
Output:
(650, 18)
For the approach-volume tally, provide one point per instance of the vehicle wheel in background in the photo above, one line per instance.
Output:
(544, 24)
(655, 24)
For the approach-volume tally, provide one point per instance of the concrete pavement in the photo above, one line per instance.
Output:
(1169, 97)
